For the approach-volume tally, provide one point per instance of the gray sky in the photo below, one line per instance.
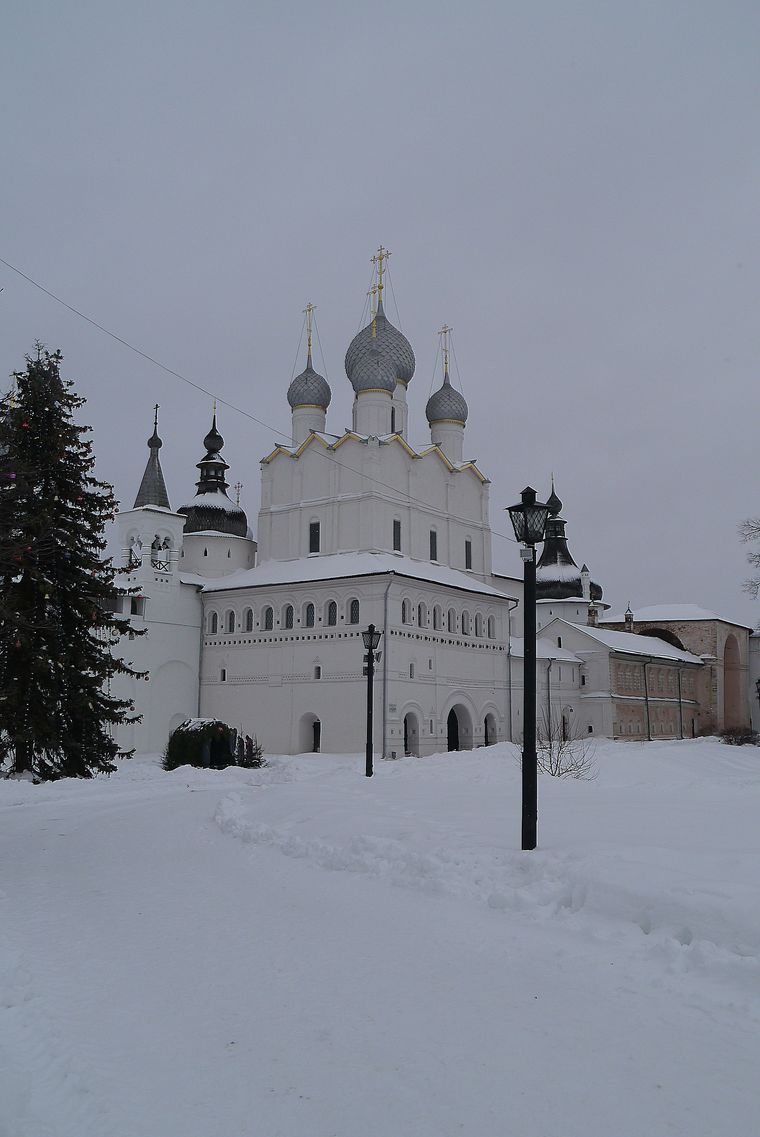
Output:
(573, 186)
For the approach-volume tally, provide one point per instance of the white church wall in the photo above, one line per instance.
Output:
(213, 554)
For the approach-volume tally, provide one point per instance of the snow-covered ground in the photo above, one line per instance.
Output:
(303, 952)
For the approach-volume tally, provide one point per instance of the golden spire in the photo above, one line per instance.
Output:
(379, 259)
(445, 334)
(308, 310)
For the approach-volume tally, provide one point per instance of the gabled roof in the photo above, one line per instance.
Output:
(334, 442)
(626, 643)
(545, 649)
(335, 566)
(684, 613)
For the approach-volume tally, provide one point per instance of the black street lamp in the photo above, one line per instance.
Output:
(528, 519)
(371, 640)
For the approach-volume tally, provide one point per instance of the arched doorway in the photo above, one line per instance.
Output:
(452, 727)
(309, 735)
(732, 713)
(489, 730)
(459, 728)
(411, 734)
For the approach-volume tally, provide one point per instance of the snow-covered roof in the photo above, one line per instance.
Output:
(558, 572)
(336, 565)
(630, 643)
(545, 649)
(667, 612)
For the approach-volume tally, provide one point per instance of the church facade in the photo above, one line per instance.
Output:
(366, 528)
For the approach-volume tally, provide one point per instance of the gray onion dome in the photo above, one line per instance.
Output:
(394, 347)
(309, 389)
(446, 403)
(372, 372)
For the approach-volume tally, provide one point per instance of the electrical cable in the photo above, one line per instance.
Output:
(224, 402)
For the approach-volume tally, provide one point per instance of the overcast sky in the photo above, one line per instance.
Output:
(574, 187)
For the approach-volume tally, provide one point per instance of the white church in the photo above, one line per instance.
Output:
(264, 631)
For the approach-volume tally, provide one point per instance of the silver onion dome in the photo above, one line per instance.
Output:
(394, 347)
(309, 389)
(372, 372)
(446, 404)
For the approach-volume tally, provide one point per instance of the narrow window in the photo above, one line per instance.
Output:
(411, 671)
(406, 612)
(421, 616)
(228, 554)
(452, 620)
(491, 628)
(223, 675)
(314, 537)
(332, 614)
(318, 671)
(468, 554)
(213, 623)
(249, 619)
(465, 623)
(309, 616)
(396, 535)
(268, 619)
(559, 641)
(437, 619)
(433, 545)
(478, 624)
(289, 616)
(230, 627)
(353, 612)
(205, 552)
(430, 665)
(583, 680)
(393, 420)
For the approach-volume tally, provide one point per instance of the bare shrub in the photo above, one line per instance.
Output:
(564, 752)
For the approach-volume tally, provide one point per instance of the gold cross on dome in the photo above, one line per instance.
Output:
(155, 416)
(308, 312)
(445, 334)
(379, 261)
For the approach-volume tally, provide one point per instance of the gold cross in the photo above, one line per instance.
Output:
(378, 261)
(308, 313)
(237, 488)
(155, 416)
(445, 333)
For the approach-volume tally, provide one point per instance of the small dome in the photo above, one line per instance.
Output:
(554, 503)
(446, 403)
(393, 346)
(372, 373)
(309, 389)
(213, 440)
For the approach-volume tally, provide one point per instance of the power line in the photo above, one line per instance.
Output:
(219, 398)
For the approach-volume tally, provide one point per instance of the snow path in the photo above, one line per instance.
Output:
(166, 972)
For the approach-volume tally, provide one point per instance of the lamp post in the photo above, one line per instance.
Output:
(528, 519)
(371, 639)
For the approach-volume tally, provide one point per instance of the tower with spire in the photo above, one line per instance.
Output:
(563, 589)
(216, 540)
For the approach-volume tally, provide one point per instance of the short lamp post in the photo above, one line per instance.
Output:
(371, 639)
(528, 519)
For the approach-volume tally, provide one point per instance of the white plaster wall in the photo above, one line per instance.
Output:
(214, 554)
(270, 687)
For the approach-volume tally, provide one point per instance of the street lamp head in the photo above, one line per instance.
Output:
(371, 638)
(529, 518)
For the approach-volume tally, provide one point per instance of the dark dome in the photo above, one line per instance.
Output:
(309, 389)
(446, 403)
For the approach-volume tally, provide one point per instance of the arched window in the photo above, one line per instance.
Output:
(406, 612)
(308, 616)
(437, 615)
(491, 628)
(465, 623)
(288, 616)
(452, 622)
(478, 624)
(229, 622)
(213, 623)
(421, 616)
(332, 614)
(353, 611)
(268, 619)
(249, 619)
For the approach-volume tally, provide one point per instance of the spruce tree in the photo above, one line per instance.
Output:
(57, 613)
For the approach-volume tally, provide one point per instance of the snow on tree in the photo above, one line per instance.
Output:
(58, 621)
